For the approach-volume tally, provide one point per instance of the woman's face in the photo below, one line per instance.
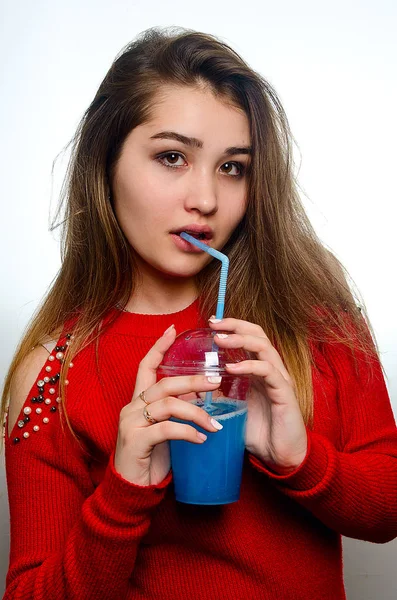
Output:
(184, 169)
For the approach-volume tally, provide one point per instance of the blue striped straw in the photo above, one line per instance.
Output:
(220, 307)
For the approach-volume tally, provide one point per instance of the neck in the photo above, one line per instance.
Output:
(161, 296)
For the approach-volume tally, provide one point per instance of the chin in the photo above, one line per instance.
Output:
(171, 267)
(179, 274)
(181, 271)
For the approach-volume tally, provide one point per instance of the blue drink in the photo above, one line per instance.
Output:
(210, 473)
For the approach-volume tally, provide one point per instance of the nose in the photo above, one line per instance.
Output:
(202, 195)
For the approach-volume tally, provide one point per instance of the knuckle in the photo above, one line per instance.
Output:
(143, 361)
(164, 386)
(265, 341)
(250, 364)
(202, 415)
(168, 402)
(164, 428)
(125, 430)
(195, 381)
(189, 432)
(259, 331)
(123, 413)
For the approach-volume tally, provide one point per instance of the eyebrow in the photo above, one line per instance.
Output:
(196, 143)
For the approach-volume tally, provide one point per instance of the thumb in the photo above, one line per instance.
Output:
(147, 370)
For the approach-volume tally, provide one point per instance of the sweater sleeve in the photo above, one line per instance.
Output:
(68, 538)
(352, 489)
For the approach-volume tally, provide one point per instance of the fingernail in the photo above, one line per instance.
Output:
(213, 379)
(201, 436)
(169, 329)
(216, 424)
(214, 320)
(232, 365)
(223, 336)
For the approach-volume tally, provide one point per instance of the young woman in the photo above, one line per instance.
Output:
(183, 135)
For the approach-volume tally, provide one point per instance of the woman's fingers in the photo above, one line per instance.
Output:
(261, 346)
(177, 386)
(251, 337)
(271, 376)
(147, 435)
(178, 409)
(167, 430)
(146, 375)
(237, 326)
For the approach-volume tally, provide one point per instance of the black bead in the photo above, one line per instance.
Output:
(57, 348)
(33, 400)
(53, 409)
(26, 419)
(57, 376)
(53, 379)
(16, 440)
(41, 390)
(68, 336)
(40, 399)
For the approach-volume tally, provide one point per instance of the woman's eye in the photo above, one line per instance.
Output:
(170, 159)
(236, 165)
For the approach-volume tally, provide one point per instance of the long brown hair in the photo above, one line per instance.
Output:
(281, 276)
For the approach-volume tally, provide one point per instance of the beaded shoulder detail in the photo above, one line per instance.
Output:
(43, 400)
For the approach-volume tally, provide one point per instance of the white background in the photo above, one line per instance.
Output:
(334, 67)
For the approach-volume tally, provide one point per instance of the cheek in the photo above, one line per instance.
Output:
(234, 209)
(142, 198)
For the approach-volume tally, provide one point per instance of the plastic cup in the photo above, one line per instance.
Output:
(209, 473)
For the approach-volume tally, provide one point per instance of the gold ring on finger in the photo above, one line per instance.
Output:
(148, 416)
(142, 396)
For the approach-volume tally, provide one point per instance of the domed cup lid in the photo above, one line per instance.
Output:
(194, 351)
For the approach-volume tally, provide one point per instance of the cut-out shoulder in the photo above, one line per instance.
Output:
(49, 346)
(23, 380)
(51, 338)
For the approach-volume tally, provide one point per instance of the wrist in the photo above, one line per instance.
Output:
(280, 469)
(285, 467)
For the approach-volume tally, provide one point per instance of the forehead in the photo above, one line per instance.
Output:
(197, 112)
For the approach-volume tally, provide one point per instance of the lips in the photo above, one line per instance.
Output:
(201, 232)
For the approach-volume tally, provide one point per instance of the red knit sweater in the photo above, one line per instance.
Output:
(80, 531)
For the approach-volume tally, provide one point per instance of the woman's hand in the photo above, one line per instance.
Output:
(276, 432)
(142, 453)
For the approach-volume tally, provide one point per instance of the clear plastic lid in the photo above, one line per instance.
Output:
(194, 351)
